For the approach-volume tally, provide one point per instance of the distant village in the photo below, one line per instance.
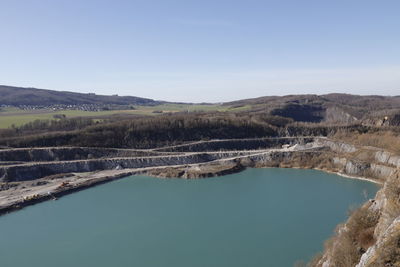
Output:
(82, 107)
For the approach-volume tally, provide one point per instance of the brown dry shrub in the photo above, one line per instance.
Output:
(361, 226)
(350, 242)
(366, 238)
(342, 250)
(392, 193)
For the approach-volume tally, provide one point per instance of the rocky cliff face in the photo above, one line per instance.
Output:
(371, 235)
(32, 171)
(322, 153)
(237, 144)
(33, 163)
(67, 153)
(386, 249)
(337, 115)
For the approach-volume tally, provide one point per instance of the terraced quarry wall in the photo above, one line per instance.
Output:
(237, 144)
(306, 152)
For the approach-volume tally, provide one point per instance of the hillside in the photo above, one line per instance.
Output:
(331, 108)
(19, 96)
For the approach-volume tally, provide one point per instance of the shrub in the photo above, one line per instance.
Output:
(353, 238)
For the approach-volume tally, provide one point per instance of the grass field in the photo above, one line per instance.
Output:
(18, 117)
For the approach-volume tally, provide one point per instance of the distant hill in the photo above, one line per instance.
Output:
(343, 108)
(329, 108)
(18, 96)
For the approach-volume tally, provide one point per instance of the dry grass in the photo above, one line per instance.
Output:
(392, 193)
(302, 160)
(387, 140)
(389, 252)
(347, 246)
(366, 238)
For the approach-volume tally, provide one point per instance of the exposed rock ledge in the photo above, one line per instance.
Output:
(371, 235)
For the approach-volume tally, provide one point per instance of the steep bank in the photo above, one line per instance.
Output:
(371, 235)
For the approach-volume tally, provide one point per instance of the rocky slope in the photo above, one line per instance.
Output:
(371, 235)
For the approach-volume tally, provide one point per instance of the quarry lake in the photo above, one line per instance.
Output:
(259, 217)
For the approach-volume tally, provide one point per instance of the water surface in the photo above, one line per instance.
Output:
(259, 217)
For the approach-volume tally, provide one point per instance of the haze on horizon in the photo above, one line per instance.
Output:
(202, 51)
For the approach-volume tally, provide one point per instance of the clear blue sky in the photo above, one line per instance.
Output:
(209, 50)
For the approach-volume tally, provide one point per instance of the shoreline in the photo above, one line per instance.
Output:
(102, 177)
(343, 175)
(355, 177)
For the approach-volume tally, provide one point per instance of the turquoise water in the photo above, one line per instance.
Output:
(259, 217)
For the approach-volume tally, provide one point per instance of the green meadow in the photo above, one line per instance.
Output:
(18, 117)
